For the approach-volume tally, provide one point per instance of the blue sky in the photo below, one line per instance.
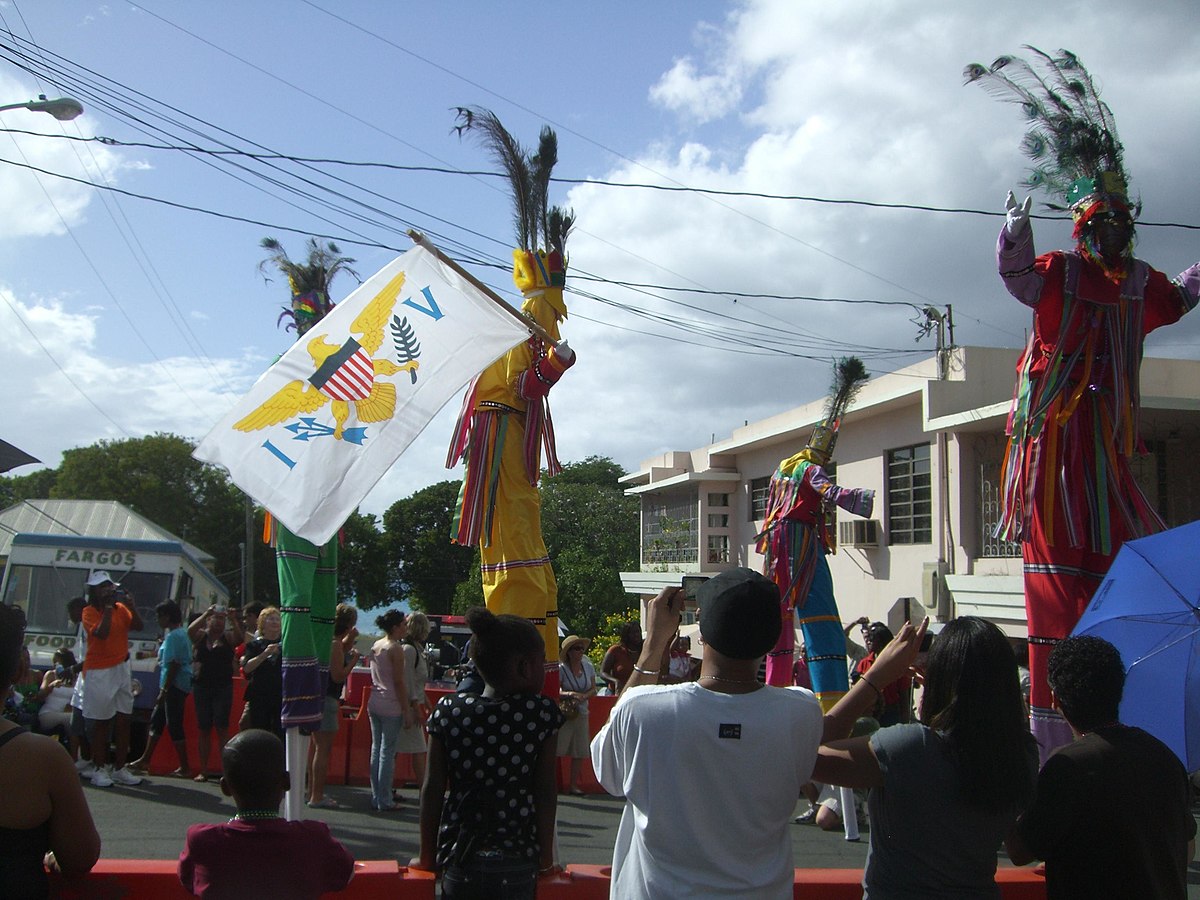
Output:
(147, 317)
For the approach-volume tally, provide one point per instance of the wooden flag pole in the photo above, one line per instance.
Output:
(525, 320)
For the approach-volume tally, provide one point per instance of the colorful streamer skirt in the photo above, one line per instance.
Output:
(307, 600)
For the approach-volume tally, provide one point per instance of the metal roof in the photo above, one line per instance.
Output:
(88, 518)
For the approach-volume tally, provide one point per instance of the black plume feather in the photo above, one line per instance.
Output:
(849, 375)
(528, 176)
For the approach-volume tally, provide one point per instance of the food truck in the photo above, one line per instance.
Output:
(44, 571)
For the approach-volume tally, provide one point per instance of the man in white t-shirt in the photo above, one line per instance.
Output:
(711, 769)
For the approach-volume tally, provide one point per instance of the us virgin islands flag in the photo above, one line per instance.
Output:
(322, 425)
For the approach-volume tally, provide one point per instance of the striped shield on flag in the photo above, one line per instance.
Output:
(347, 375)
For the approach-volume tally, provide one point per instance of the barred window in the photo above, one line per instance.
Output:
(910, 496)
(670, 527)
(759, 488)
(718, 548)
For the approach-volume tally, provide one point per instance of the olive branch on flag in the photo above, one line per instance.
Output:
(405, 341)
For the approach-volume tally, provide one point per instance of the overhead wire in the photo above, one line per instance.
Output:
(393, 44)
(232, 150)
(141, 257)
(236, 151)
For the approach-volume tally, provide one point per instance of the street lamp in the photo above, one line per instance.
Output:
(64, 108)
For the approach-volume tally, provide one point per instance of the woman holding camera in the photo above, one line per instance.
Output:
(262, 664)
(944, 791)
(58, 684)
(215, 635)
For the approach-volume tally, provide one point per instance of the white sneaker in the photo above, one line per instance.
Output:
(101, 778)
(125, 777)
(85, 767)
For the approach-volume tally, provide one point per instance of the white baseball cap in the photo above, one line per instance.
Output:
(99, 577)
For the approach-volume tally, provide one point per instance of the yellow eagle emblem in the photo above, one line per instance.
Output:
(343, 375)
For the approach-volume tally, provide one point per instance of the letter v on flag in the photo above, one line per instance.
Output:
(322, 425)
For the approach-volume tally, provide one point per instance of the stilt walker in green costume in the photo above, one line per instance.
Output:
(307, 573)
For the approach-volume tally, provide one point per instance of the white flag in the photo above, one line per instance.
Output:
(322, 425)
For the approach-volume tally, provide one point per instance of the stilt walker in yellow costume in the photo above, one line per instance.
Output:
(505, 420)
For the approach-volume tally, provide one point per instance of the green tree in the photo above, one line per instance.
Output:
(591, 532)
(363, 577)
(469, 592)
(34, 486)
(426, 566)
(609, 633)
(157, 477)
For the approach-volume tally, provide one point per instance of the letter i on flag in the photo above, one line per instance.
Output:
(322, 425)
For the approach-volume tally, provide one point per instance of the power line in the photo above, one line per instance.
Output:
(599, 182)
(230, 151)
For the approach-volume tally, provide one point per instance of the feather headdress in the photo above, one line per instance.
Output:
(539, 226)
(849, 375)
(1072, 136)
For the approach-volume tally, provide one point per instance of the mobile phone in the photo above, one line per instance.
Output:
(691, 584)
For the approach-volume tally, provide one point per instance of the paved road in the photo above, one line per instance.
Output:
(149, 821)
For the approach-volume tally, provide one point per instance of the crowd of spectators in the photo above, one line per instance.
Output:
(943, 793)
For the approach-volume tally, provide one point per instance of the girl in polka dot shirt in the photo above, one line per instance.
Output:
(489, 799)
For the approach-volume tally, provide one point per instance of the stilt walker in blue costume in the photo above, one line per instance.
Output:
(795, 541)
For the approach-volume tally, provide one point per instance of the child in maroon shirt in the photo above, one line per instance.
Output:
(256, 853)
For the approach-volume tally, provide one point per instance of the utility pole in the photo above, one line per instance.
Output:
(939, 323)
(248, 564)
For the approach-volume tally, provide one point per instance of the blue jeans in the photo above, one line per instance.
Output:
(385, 731)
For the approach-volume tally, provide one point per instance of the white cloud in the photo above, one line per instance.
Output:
(74, 391)
(38, 204)
(836, 103)
(701, 97)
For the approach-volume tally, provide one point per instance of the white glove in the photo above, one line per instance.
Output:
(1016, 216)
(564, 352)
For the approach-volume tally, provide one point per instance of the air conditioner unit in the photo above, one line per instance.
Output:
(859, 533)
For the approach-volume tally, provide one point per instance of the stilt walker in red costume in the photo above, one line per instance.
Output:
(795, 542)
(505, 421)
(1069, 493)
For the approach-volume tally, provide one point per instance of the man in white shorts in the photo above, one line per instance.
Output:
(108, 695)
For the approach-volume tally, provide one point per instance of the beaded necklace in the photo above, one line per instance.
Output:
(243, 815)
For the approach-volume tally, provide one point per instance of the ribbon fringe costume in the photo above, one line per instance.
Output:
(307, 573)
(1069, 494)
(795, 542)
(307, 603)
(501, 432)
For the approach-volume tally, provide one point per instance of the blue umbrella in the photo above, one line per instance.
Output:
(1148, 607)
